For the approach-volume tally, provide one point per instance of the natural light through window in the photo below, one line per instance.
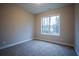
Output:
(50, 25)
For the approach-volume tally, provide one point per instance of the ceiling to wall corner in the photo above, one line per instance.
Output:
(37, 8)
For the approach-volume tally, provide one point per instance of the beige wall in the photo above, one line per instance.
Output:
(16, 25)
(67, 26)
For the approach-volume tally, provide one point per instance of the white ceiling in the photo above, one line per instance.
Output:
(36, 8)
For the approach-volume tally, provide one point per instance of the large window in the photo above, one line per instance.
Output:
(50, 25)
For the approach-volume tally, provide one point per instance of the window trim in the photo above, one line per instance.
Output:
(49, 27)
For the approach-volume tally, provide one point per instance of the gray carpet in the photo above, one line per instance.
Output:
(38, 48)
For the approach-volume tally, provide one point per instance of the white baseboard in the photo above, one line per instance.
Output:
(13, 44)
(62, 43)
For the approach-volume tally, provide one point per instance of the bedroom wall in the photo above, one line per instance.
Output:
(66, 24)
(16, 25)
(77, 28)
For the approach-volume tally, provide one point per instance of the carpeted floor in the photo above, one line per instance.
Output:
(38, 48)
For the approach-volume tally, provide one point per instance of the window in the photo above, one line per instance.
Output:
(50, 25)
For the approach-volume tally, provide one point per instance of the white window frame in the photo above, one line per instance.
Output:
(49, 25)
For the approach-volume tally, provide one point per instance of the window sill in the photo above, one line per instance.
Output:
(50, 34)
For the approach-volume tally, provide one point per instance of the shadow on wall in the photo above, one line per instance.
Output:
(16, 25)
(77, 28)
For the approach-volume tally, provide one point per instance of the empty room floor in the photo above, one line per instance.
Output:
(38, 48)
